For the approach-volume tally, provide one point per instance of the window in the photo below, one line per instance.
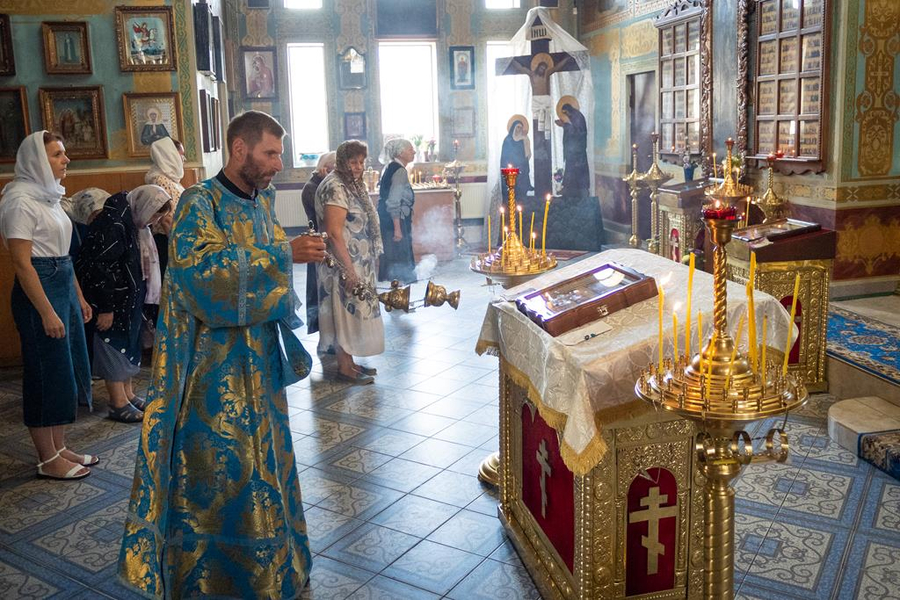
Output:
(303, 4)
(501, 89)
(309, 102)
(501, 3)
(408, 110)
(679, 68)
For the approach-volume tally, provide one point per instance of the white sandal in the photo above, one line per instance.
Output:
(70, 475)
(88, 461)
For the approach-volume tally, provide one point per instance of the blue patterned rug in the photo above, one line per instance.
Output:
(865, 343)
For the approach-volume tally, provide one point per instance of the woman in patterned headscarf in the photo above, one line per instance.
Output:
(351, 325)
(119, 270)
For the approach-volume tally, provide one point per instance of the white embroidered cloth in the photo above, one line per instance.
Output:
(586, 380)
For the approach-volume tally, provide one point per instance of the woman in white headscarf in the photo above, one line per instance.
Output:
(119, 271)
(395, 211)
(167, 172)
(47, 304)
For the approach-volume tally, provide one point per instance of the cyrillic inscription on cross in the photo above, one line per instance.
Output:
(539, 66)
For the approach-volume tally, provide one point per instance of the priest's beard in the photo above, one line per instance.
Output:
(253, 174)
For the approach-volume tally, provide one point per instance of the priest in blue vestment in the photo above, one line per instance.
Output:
(215, 507)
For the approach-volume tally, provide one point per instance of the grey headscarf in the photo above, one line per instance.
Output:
(83, 204)
(393, 148)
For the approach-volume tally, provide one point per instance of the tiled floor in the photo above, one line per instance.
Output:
(881, 308)
(392, 502)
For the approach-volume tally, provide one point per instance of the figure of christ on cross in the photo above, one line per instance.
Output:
(543, 459)
(653, 514)
(539, 66)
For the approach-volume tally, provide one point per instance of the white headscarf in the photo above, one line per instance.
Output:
(34, 177)
(393, 148)
(167, 161)
(83, 204)
(145, 201)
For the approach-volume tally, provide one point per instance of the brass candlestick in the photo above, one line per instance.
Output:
(513, 261)
(773, 206)
(654, 178)
(719, 390)
(632, 179)
(455, 168)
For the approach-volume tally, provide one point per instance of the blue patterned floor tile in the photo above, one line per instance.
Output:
(878, 572)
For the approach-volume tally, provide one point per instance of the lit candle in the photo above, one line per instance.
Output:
(737, 341)
(521, 229)
(747, 215)
(531, 232)
(544, 232)
(675, 329)
(662, 301)
(533, 236)
(715, 172)
(489, 233)
(751, 308)
(762, 358)
(788, 344)
(687, 316)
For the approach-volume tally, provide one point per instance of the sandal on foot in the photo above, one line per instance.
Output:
(370, 371)
(71, 474)
(126, 414)
(139, 403)
(87, 460)
(356, 378)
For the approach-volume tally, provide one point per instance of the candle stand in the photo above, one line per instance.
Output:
(454, 169)
(633, 179)
(654, 178)
(722, 393)
(512, 263)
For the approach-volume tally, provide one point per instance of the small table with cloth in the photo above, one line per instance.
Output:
(599, 492)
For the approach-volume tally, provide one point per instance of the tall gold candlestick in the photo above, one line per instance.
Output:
(632, 179)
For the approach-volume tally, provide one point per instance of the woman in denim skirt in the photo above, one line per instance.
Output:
(47, 304)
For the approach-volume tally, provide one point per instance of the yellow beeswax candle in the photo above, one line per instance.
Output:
(521, 230)
(734, 349)
(790, 334)
(489, 233)
(762, 359)
(687, 315)
(675, 332)
(700, 332)
(751, 309)
(544, 232)
(531, 232)
(662, 301)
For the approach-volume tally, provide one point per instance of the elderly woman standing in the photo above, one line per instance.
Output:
(308, 197)
(118, 269)
(47, 304)
(395, 208)
(167, 172)
(351, 325)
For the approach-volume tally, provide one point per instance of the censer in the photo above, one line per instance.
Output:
(723, 391)
(395, 297)
(513, 261)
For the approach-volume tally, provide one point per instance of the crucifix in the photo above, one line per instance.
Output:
(653, 513)
(539, 66)
(544, 460)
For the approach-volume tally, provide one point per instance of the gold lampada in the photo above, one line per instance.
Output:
(633, 179)
(719, 389)
(654, 178)
(513, 261)
(773, 206)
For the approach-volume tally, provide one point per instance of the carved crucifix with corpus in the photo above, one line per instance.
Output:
(539, 66)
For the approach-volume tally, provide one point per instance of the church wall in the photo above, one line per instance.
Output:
(858, 194)
(25, 21)
(343, 23)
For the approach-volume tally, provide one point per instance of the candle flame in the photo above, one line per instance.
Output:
(548, 197)
(519, 207)
(676, 307)
(665, 279)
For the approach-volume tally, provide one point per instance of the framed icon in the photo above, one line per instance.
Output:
(146, 38)
(66, 47)
(462, 67)
(77, 114)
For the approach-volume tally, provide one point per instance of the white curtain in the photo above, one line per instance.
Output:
(572, 83)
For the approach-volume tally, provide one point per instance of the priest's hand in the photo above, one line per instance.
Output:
(307, 248)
